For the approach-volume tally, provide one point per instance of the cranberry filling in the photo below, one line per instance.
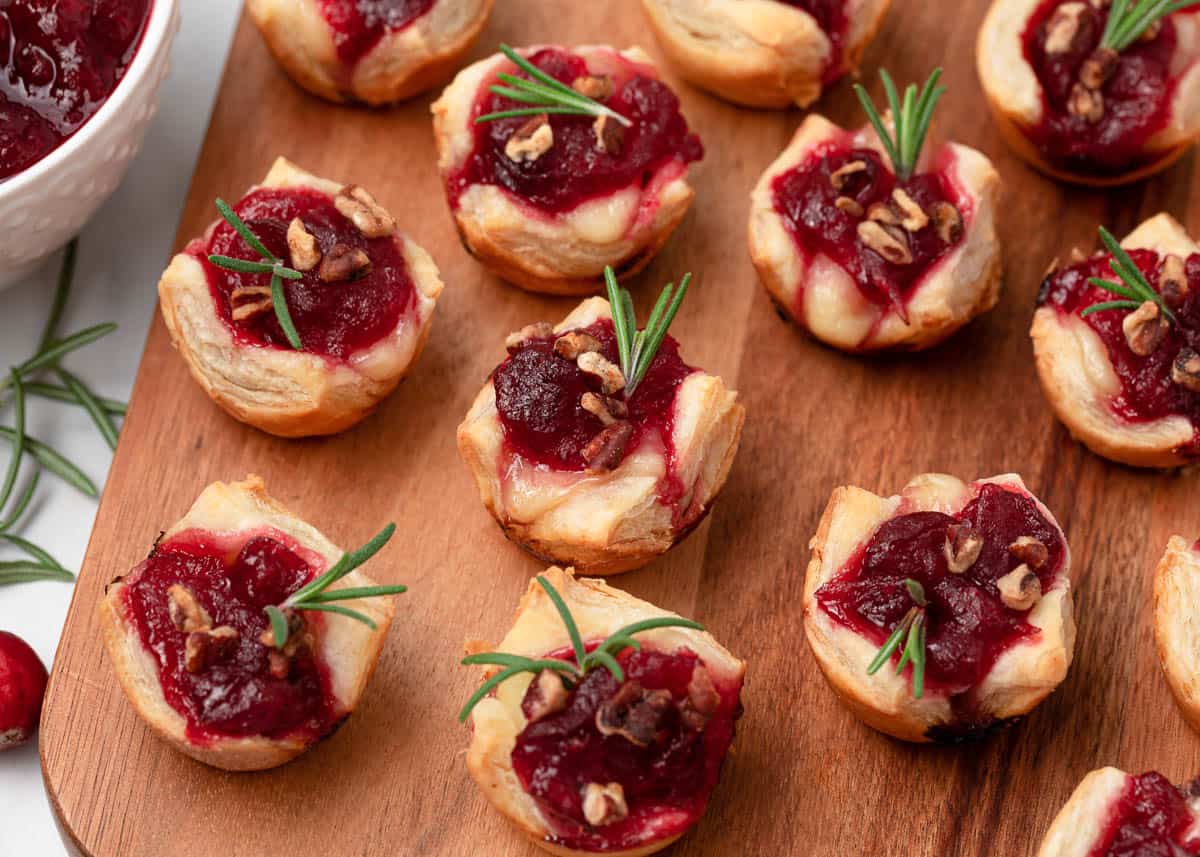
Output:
(806, 198)
(666, 783)
(60, 60)
(1147, 390)
(969, 627)
(359, 25)
(334, 319)
(575, 170)
(1150, 819)
(830, 16)
(233, 579)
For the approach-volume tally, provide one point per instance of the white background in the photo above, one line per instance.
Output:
(122, 252)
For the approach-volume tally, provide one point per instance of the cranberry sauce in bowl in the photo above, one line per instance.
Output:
(221, 678)
(831, 17)
(359, 25)
(60, 60)
(1151, 818)
(575, 169)
(665, 755)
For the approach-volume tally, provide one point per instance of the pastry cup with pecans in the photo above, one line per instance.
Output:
(355, 305)
(765, 53)
(618, 757)
(344, 51)
(944, 611)
(1117, 353)
(191, 631)
(1177, 623)
(547, 200)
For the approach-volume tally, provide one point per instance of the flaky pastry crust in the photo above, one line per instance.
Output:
(537, 630)
(821, 297)
(564, 253)
(1177, 623)
(1079, 380)
(284, 392)
(610, 522)
(349, 649)
(1021, 678)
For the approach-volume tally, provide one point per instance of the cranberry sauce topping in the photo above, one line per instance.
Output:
(60, 60)
(234, 692)
(830, 16)
(665, 784)
(969, 627)
(807, 198)
(1147, 389)
(575, 169)
(1150, 819)
(335, 319)
(358, 25)
(1096, 131)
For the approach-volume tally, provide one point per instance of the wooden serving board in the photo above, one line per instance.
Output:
(805, 777)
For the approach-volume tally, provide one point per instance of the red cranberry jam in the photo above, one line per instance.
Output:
(666, 783)
(359, 25)
(233, 579)
(969, 627)
(1150, 819)
(575, 170)
(830, 16)
(60, 60)
(806, 197)
(1147, 390)
(334, 319)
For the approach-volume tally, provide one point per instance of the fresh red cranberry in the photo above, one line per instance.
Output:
(359, 25)
(1150, 819)
(22, 686)
(830, 16)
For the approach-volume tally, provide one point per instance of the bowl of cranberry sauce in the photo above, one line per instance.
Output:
(79, 86)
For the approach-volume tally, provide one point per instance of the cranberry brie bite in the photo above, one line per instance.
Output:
(603, 722)
(303, 307)
(593, 444)
(942, 612)
(1117, 337)
(1098, 93)
(868, 240)
(1177, 623)
(375, 52)
(765, 53)
(1115, 814)
(246, 636)
(558, 162)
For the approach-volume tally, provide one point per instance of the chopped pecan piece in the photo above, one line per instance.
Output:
(548, 696)
(594, 363)
(702, 699)
(605, 451)
(962, 548)
(610, 135)
(598, 87)
(573, 343)
(634, 713)
(1065, 26)
(915, 218)
(302, 246)
(1087, 104)
(532, 140)
(297, 633)
(1098, 67)
(1173, 282)
(881, 212)
(202, 649)
(848, 205)
(605, 409)
(360, 208)
(185, 611)
(1020, 589)
(947, 222)
(1145, 328)
(604, 804)
(529, 333)
(885, 243)
(1030, 551)
(279, 664)
(838, 177)
(343, 263)
(248, 301)
(1185, 371)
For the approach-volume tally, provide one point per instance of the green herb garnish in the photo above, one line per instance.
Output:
(1133, 288)
(910, 117)
(912, 631)
(1129, 19)
(544, 94)
(638, 347)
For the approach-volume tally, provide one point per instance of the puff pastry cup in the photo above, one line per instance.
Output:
(824, 298)
(764, 53)
(518, 714)
(1136, 409)
(223, 707)
(1082, 134)
(1177, 623)
(343, 51)
(1114, 813)
(550, 218)
(237, 354)
(616, 513)
(999, 634)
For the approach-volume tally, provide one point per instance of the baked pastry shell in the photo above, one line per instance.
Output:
(1177, 623)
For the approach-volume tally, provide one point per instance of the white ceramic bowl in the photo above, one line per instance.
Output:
(42, 208)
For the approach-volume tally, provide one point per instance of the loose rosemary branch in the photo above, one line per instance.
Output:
(637, 348)
(1129, 19)
(910, 118)
(912, 631)
(544, 94)
(1133, 288)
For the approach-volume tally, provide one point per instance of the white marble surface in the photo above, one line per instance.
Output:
(122, 252)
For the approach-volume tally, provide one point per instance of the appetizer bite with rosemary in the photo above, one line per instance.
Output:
(560, 161)
(765, 53)
(593, 443)
(603, 721)
(303, 307)
(1115, 814)
(246, 636)
(1117, 340)
(870, 239)
(373, 52)
(1177, 623)
(1096, 93)
(943, 612)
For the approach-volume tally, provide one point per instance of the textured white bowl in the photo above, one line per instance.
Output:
(42, 208)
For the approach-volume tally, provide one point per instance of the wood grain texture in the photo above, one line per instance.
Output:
(805, 777)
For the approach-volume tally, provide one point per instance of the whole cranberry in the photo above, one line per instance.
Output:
(22, 686)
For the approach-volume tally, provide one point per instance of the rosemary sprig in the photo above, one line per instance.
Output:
(604, 655)
(317, 596)
(912, 631)
(270, 265)
(1134, 289)
(637, 348)
(1129, 19)
(910, 118)
(544, 94)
